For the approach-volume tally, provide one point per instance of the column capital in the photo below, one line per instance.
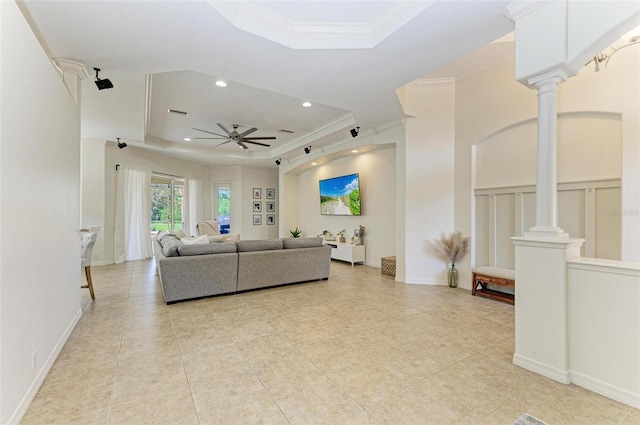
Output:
(550, 78)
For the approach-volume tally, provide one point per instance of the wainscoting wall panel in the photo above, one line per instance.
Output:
(589, 210)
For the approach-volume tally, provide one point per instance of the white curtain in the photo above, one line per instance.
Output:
(192, 205)
(132, 235)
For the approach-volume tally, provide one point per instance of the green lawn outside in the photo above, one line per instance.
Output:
(157, 226)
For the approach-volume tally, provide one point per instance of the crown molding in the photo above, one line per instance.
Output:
(250, 17)
(520, 8)
(444, 81)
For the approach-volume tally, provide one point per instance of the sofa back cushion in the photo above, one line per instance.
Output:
(215, 248)
(198, 240)
(290, 243)
(259, 245)
(170, 246)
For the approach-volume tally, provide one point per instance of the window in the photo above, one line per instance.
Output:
(166, 203)
(222, 206)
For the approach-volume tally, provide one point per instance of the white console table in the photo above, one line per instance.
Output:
(347, 252)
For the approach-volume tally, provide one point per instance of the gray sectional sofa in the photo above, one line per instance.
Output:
(194, 271)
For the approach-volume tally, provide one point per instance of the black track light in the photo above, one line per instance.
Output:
(121, 145)
(278, 161)
(354, 131)
(307, 150)
(103, 84)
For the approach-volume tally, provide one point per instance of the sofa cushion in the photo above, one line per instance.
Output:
(161, 234)
(215, 248)
(301, 242)
(259, 245)
(199, 240)
(216, 239)
(170, 246)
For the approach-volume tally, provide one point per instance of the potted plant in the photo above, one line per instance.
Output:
(295, 233)
(342, 233)
(452, 248)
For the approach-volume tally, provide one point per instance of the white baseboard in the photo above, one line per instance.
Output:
(17, 415)
(605, 389)
(542, 369)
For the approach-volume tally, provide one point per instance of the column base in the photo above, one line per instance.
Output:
(545, 232)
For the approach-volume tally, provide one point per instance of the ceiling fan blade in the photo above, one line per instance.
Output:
(210, 132)
(224, 142)
(246, 133)
(255, 143)
(243, 145)
(224, 129)
(259, 138)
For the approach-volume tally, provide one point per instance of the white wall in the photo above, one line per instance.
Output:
(589, 148)
(93, 207)
(261, 178)
(377, 189)
(429, 165)
(39, 216)
(604, 348)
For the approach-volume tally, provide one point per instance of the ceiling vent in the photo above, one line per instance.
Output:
(175, 111)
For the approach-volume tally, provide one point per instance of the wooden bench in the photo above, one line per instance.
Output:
(484, 276)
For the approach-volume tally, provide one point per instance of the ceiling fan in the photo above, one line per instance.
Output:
(233, 136)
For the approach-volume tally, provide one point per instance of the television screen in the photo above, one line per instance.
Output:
(340, 195)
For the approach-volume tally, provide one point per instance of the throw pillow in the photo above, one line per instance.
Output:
(166, 238)
(199, 240)
(215, 248)
(290, 243)
(170, 247)
(216, 239)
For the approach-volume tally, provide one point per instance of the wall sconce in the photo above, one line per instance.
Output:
(307, 150)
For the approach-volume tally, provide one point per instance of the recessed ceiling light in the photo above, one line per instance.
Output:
(306, 104)
(221, 83)
(354, 151)
(314, 163)
(187, 139)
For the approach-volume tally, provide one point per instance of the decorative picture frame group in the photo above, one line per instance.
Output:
(270, 206)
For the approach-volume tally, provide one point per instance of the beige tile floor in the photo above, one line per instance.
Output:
(356, 349)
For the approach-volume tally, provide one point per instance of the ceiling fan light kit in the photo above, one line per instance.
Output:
(233, 136)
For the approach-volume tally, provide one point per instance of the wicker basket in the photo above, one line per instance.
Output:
(388, 266)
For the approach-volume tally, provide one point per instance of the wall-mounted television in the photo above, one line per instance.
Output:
(340, 195)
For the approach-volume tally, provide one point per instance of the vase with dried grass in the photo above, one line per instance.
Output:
(452, 248)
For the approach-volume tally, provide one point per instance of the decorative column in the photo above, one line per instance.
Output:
(542, 341)
(546, 168)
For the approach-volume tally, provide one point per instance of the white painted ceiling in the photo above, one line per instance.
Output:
(164, 55)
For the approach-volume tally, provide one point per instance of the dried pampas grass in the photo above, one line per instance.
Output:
(452, 247)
